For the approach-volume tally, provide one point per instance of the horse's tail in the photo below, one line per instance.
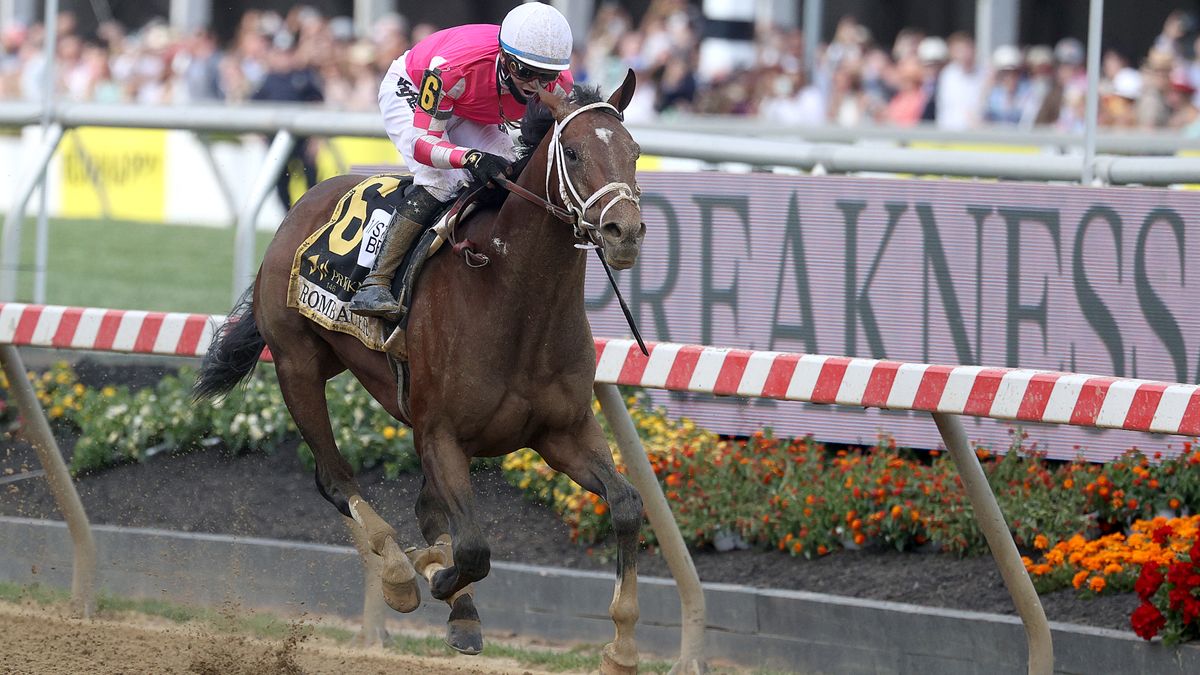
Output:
(234, 351)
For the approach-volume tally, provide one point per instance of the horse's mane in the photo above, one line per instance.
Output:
(535, 124)
(538, 120)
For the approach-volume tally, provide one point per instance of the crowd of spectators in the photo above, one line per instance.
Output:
(306, 57)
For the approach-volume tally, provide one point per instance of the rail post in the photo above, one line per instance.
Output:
(1000, 541)
(37, 431)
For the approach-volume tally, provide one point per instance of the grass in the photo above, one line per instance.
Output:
(128, 265)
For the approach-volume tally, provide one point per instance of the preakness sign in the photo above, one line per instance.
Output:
(1048, 277)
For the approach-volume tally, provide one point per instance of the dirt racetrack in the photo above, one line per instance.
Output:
(37, 640)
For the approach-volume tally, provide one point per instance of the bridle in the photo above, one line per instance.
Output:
(576, 206)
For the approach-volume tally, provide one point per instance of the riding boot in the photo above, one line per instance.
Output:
(374, 296)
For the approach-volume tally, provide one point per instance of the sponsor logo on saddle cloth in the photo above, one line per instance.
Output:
(333, 261)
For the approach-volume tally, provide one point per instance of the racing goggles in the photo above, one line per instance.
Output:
(526, 74)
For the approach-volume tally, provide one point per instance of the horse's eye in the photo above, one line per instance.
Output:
(570, 154)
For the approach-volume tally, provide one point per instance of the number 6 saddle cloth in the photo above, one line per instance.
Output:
(332, 262)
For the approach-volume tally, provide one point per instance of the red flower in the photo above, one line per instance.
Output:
(1149, 581)
(1161, 535)
(1147, 621)
(1190, 610)
(1182, 576)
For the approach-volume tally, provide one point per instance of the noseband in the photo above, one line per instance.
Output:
(576, 205)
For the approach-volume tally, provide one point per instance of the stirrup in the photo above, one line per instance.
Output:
(376, 301)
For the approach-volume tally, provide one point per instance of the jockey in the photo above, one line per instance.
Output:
(447, 105)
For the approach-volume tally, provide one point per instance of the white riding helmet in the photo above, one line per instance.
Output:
(538, 36)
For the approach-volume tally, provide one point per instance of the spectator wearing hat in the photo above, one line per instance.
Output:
(932, 53)
(1009, 92)
(1117, 106)
(960, 85)
(1045, 91)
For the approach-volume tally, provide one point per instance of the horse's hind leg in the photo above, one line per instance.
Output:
(304, 393)
(464, 632)
(583, 454)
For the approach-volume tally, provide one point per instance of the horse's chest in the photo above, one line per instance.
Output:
(524, 412)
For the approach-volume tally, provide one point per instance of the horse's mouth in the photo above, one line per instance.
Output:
(621, 256)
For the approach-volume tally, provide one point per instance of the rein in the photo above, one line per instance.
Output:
(577, 206)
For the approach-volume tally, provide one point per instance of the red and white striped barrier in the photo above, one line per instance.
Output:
(107, 330)
(998, 393)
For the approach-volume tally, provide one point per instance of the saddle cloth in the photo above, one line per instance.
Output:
(332, 262)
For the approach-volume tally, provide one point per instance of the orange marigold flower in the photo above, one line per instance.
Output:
(1080, 577)
(1068, 484)
(822, 550)
(1097, 584)
(600, 508)
(897, 511)
(809, 499)
(859, 538)
(798, 547)
(1174, 503)
(1041, 542)
(1112, 568)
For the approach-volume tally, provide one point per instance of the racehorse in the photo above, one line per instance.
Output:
(501, 357)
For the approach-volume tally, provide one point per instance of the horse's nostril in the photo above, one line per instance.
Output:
(641, 230)
(611, 231)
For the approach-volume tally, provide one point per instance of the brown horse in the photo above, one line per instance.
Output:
(501, 358)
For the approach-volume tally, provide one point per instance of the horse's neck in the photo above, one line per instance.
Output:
(536, 245)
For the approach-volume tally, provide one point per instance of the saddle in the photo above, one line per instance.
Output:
(326, 270)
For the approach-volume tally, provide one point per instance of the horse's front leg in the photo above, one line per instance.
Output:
(464, 631)
(448, 474)
(583, 454)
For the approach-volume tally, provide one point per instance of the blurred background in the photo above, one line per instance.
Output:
(955, 64)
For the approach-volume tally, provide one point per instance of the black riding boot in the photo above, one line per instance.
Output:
(374, 296)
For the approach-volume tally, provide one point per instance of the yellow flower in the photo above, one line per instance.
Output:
(389, 432)
(108, 392)
(56, 412)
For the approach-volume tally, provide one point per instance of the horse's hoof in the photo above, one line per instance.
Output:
(612, 664)
(465, 636)
(400, 590)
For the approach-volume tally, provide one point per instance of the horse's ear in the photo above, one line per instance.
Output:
(624, 94)
(555, 103)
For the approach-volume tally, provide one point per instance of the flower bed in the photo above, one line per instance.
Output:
(1091, 526)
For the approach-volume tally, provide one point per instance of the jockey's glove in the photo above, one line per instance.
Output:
(484, 165)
